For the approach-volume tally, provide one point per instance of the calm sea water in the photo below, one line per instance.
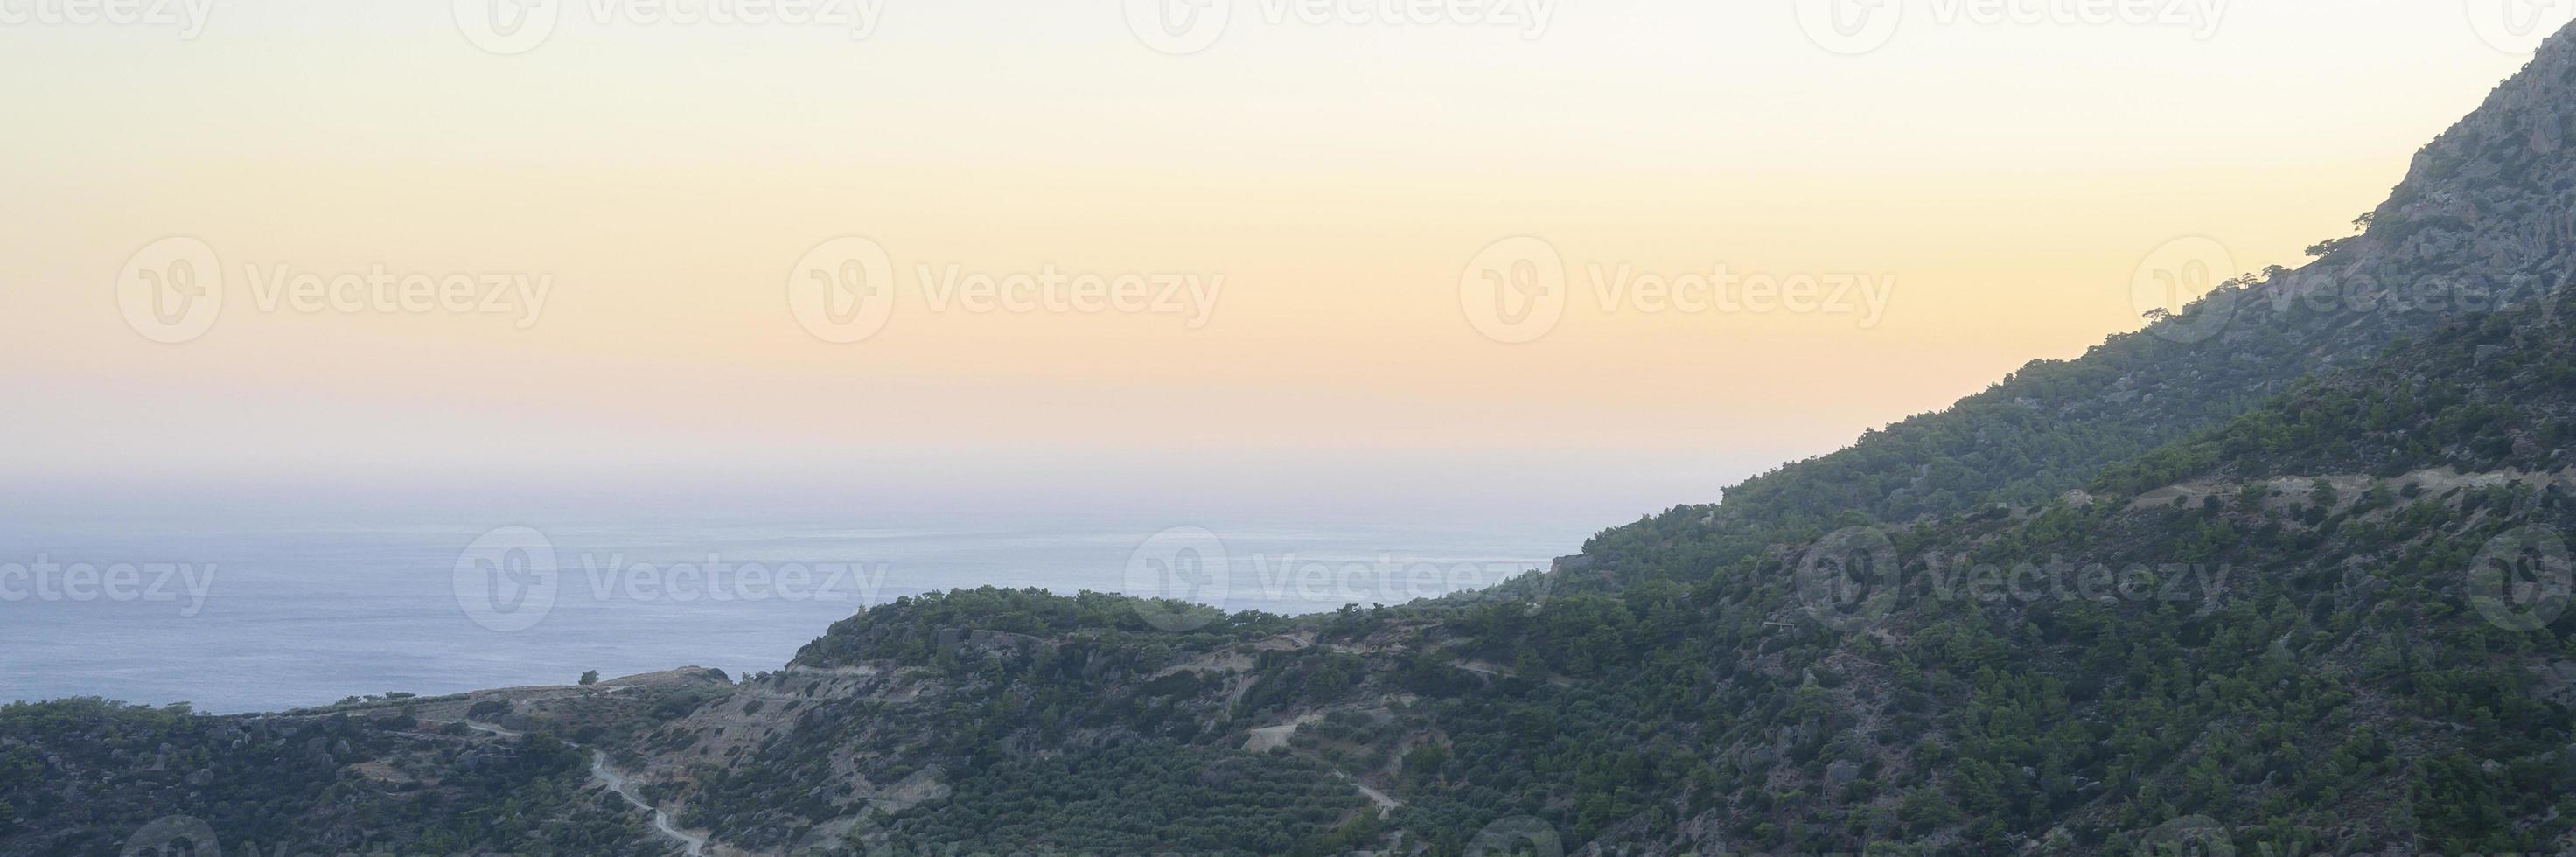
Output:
(267, 615)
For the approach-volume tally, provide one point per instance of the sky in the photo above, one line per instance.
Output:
(1532, 259)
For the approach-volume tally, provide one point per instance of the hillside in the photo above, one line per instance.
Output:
(2480, 221)
(2285, 573)
(2286, 642)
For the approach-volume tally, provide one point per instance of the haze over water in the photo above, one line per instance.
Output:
(304, 612)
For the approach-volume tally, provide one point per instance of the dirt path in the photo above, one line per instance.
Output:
(1267, 737)
(492, 730)
(616, 782)
(697, 845)
(1385, 805)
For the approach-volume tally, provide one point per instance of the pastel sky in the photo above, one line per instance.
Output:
(666, 186)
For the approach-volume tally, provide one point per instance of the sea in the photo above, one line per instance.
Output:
(266, 614)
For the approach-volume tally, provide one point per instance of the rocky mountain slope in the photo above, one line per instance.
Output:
(2285, 571)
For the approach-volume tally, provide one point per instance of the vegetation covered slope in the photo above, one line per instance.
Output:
(2284, 572)
(2482, 220)
(2289, 650)
(86, 777)
(2288, 643)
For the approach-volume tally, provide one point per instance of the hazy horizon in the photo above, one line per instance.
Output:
(635, 199)
(1259, 427)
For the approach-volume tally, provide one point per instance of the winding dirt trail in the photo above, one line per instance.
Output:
(1385, 804)
(616, 782)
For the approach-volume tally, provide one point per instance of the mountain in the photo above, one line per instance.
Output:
(2283, 573)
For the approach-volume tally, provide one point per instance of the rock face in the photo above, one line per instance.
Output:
(2489, 197)
(2482, 221)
